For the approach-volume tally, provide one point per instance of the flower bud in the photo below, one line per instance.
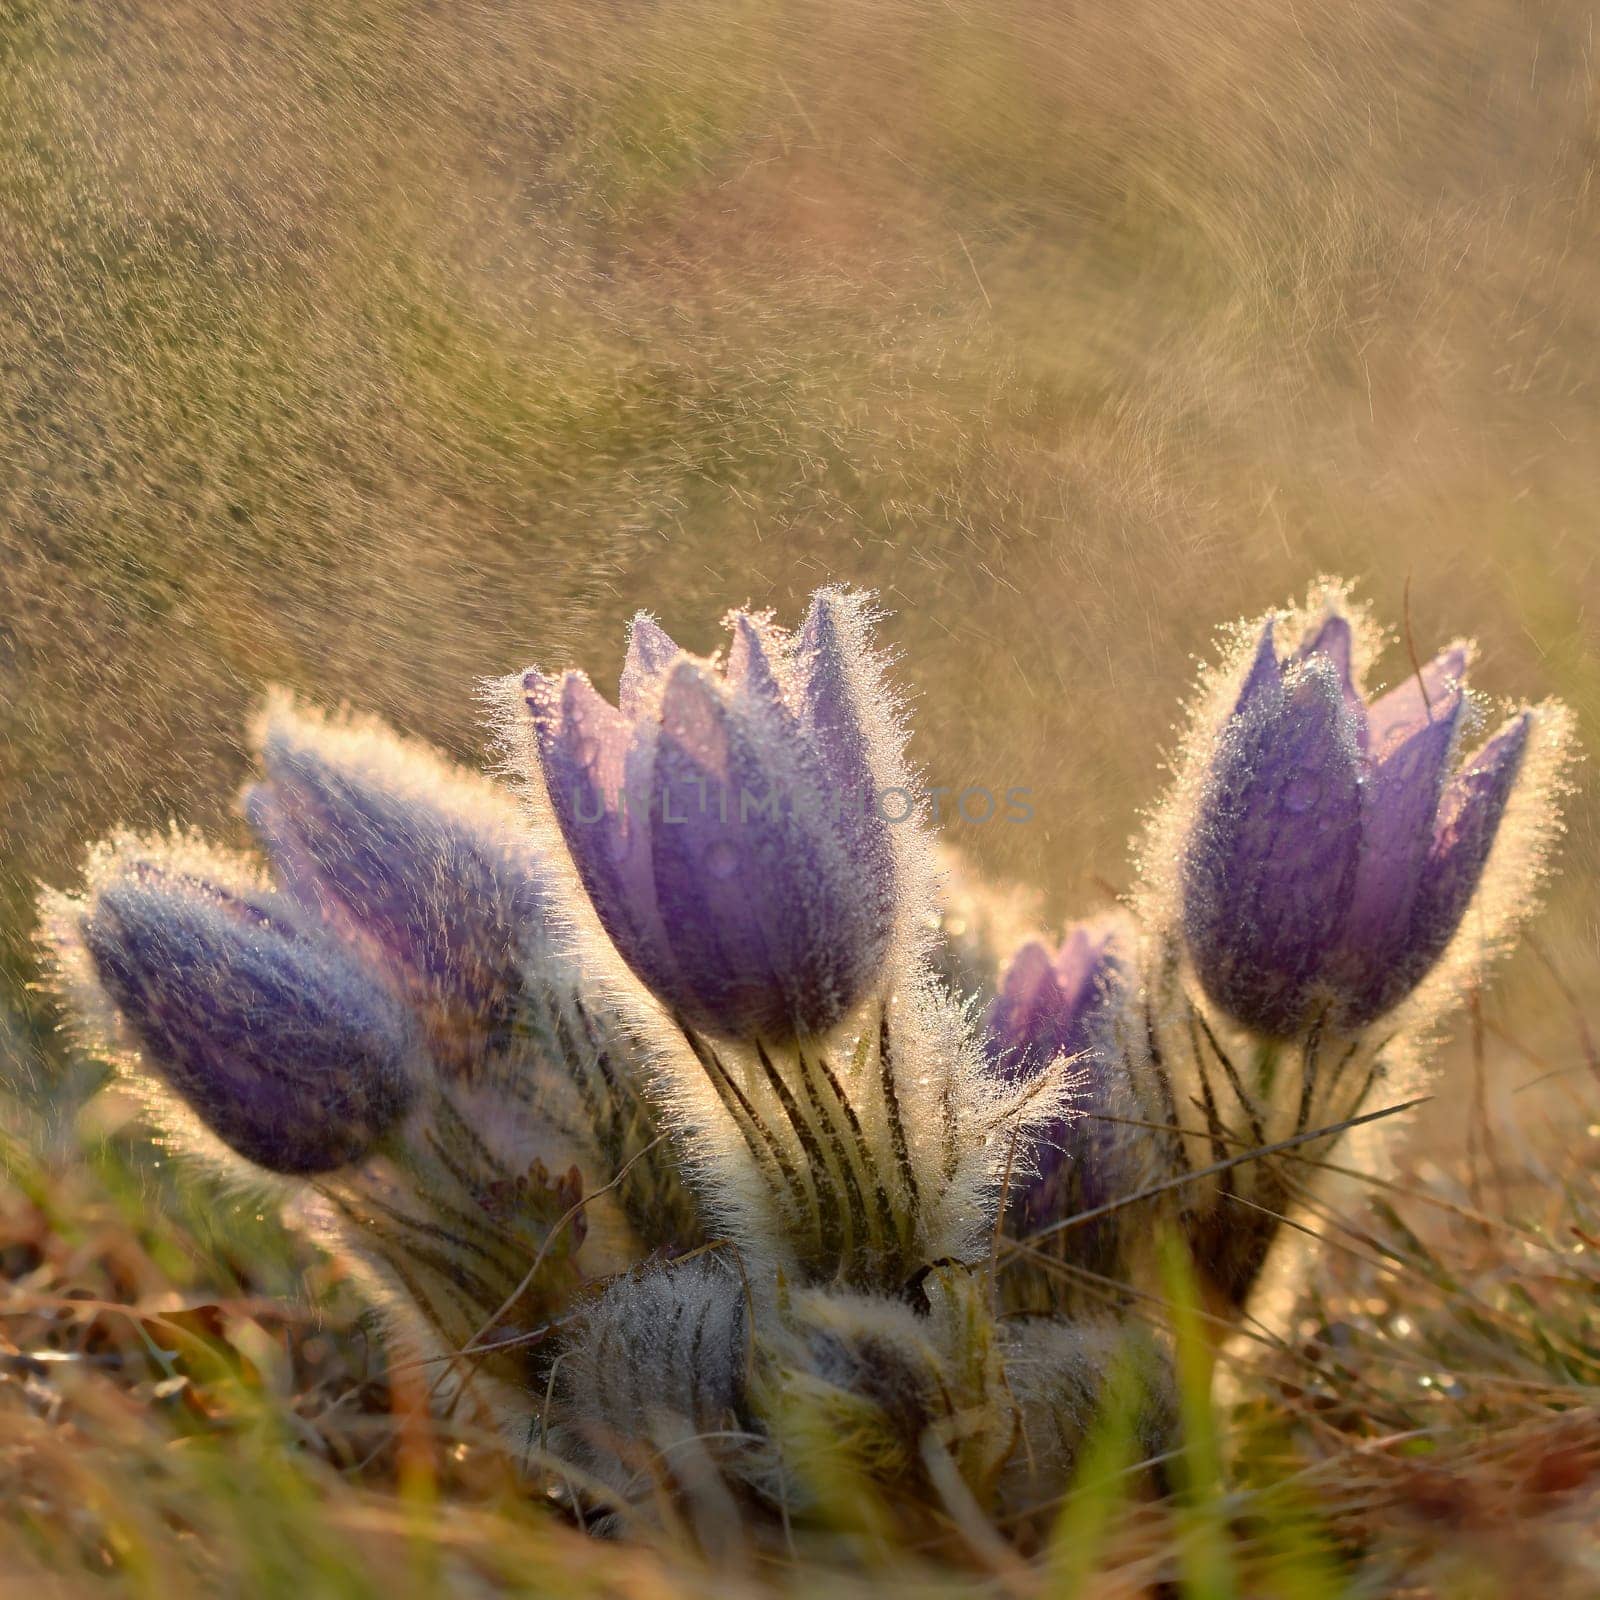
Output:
(723, 820)
(271, 1034)
(1332, 855)
(422, 862)
(1063, 1003)
(661, 1351)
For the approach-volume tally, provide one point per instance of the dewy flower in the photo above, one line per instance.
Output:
(1333, 855)
(269, 1031)
(725, 820)
(420, 861)
(1062, 1002)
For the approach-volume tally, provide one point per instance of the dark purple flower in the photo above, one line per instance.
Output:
(270, 1032)
(421, 863)
(724, 820)
(1062, 1003)
(1333, 855)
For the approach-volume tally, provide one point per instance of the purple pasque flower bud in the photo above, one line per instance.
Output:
(1332, 855)
(423, 863)
(1063, 1002)
(724, 818)
(270, 1032)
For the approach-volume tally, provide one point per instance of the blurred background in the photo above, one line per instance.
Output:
(372, 347)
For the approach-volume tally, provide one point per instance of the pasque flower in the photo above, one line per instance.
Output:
(725, 821)
(281, 1043)
(1333, 853)
(1050, 1000)
(419, 862)
(1062, 1002)
(425, 1018)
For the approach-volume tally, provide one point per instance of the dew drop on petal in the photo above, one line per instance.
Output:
(1302, 792)
(722, 860)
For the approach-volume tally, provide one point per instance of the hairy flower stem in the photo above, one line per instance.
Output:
(1205, 1129)
(822, 1125)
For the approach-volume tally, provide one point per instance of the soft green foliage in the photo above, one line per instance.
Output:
(1101, 1485)
(1204, 1556)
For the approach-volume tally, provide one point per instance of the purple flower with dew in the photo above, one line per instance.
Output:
(270, 1032)
(725, 822)
(419, 861)
(1333, 854)
(1062, 1002)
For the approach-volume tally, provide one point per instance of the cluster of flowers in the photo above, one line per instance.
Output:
(703, 1128)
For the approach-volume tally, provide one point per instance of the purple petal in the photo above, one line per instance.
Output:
(1469, 818)
(754, 657)
(1063, 1004)
(1410, 706)
(650, 653)
(1264, 680)
(276, 1039)
(1082, 959)
(1053, 1005)
(438, 892)
(1331, 638)
(755, 893)
(830, 693)
(1270, 867)
(1021, 1009)
(294, 865)
(1400, 799)
(247, 908)
(596, 774)
(716, 857)
(1047, 1003)
(1333, 641)
(725, 824)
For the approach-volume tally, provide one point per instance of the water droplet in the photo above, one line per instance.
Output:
(588, 751)
(1302, 792)
(722, 860)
